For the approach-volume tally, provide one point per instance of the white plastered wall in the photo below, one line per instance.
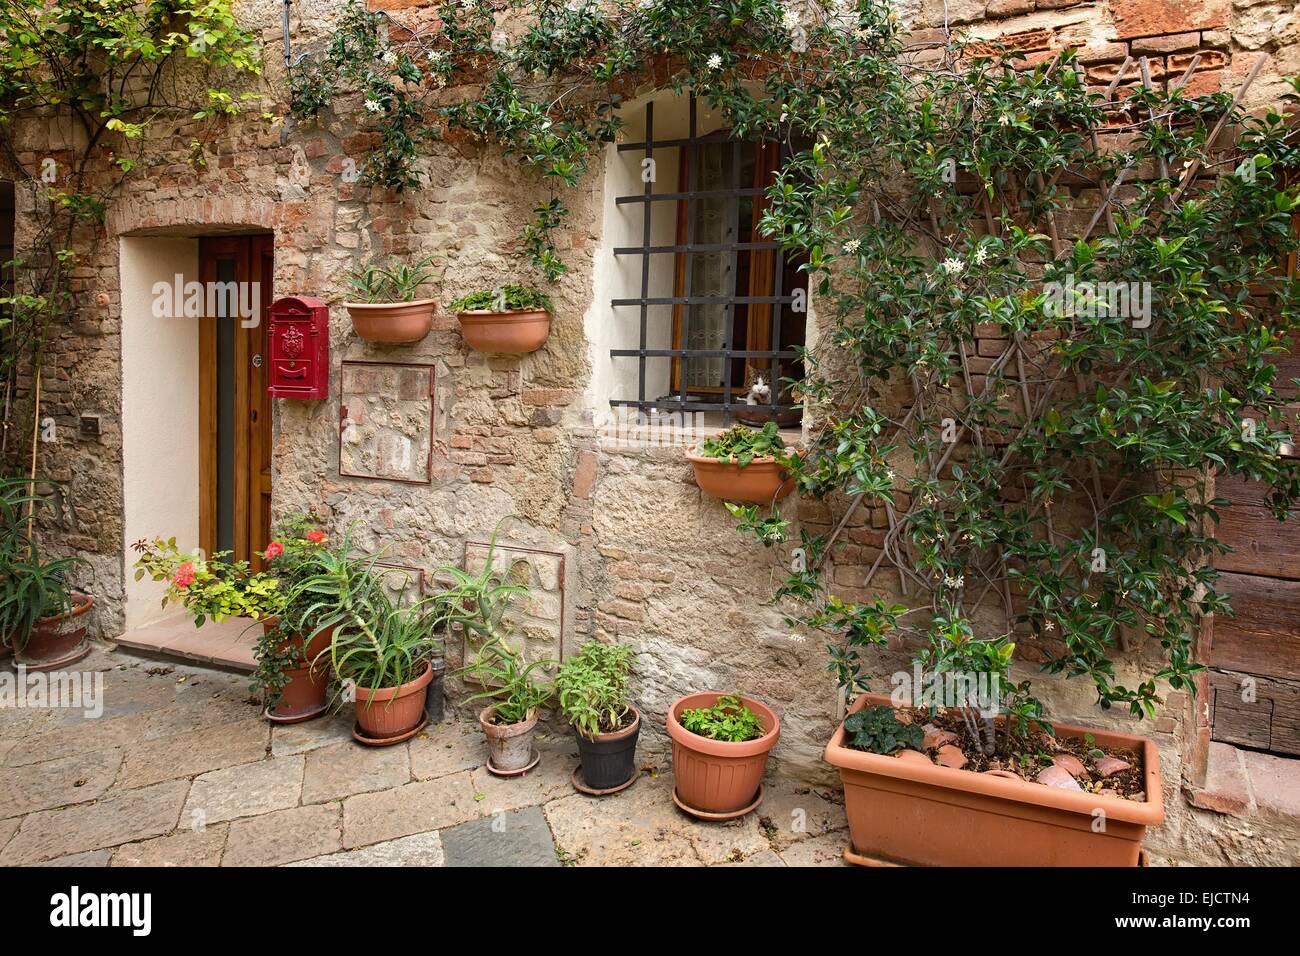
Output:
(160, 412)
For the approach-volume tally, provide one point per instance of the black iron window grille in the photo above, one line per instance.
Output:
(736, 314)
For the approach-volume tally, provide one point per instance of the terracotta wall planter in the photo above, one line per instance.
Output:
(716, 776)
(392, 711)
(509, 333)
(927, 815)
(762, 481)
(392, 322)
(510, 746)
(307, 693)
(58, 640)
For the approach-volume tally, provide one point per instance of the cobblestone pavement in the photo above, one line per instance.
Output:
(180, 770)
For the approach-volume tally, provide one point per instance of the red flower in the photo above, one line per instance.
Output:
(184, 576)
(274, 550)
(315, 537)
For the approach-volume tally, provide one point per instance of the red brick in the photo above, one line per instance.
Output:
(1145, 18)
(546, 396)
(1202, 84)
(584, 475)
(1171, 43)
(1226, 789)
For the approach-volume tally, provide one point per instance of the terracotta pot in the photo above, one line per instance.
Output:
(609, 760)
(307, 693)
(717, 776)
(392, 322)
(510, 746)
(923, 814)
(510, 333)
(762, 481)
(56, 641)
(392, 711)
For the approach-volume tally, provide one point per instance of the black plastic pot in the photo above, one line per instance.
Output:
(434, 700)
(609, 761)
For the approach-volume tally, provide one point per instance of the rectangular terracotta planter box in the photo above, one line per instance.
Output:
(907, 812)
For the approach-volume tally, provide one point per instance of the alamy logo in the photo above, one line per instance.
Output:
(75, 690)
(195, 300)
(1091, 300)
(75, 909)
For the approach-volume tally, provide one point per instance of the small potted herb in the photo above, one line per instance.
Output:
(509, 721)
(477, 604)
(388, 311)
(512, 319)
(744, 464)
(720, 747)
(592, 687)
(37, 607)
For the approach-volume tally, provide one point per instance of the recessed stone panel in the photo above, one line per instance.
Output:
(386, 421)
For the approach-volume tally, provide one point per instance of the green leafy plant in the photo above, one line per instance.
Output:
(742, 445)
(397, 282)
(508, 681)
(592, 688)
(31, 586)
(728, 720)
(209, 588)
(879, 731)
(509, 298)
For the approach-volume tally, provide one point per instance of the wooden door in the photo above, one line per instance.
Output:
(1254, 677)
(234, 409)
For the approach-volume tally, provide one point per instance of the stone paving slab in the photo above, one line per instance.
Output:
(185, 755)
(288, 739)
(791, 814)
(446, 749)
(519, 838)
(827, 850)
(57, 783)
(114, 819)
(345, 769)
(89, 859)
(413, 808)
(284, 836)
(182, 848)
(7, 829)
(83, 737)
(638, 827)
(421, 849)
(244, 791)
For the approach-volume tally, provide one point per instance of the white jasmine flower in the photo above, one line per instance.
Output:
(389, 57)
(862, 34)
(980, 255)
(1004, 120)
(852, 245)
(374, 106)
(1049, 626)
(954, 266)
(714, 61)
(954, 580)
(889, 475)
(437, 56)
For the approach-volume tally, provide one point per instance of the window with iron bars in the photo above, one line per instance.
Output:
(737, 306)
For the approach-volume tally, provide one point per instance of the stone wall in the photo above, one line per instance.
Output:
(636, 553)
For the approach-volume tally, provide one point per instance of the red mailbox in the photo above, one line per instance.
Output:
(300, 349)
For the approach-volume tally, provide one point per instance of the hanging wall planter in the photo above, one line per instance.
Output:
(911, 810)
(743, 464)
(513, 320)
(720, 777)
(392, 323)
(390, 313)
